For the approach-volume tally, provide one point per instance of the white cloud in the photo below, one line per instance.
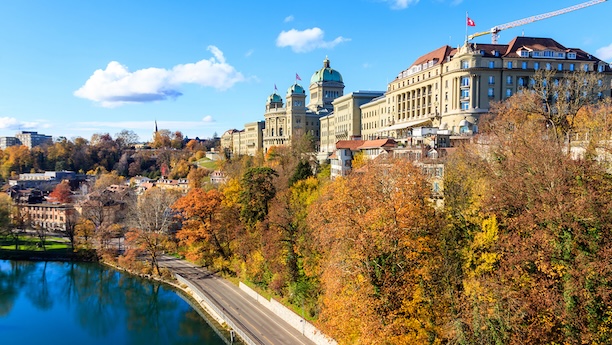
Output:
(401, 4)
(249, 52)
(289, 19)
(208, 119)
(17, 125)
(307, 40)
(116, 85)
(604, 53)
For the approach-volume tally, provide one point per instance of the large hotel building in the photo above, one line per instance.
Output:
(447, 89)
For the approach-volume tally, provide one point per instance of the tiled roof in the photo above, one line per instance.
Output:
(349, 144)
(440, 54)
(378, 143)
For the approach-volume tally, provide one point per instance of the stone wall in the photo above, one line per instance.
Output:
(293, 319)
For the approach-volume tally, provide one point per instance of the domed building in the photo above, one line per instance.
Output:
(285, 121)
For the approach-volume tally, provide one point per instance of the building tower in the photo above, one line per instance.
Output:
(325, 85)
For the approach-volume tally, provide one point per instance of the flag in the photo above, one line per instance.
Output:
(470, 22)
(275, 89)
(297, 77)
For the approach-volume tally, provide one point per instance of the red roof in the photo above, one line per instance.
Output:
(352, 145)
(379, 143)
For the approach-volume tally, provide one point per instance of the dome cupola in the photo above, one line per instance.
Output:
(326, 74)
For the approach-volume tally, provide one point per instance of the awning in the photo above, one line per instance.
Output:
(403, 125)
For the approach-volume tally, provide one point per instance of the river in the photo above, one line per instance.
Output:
(87, 303)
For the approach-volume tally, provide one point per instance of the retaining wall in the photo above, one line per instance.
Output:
(293, 319)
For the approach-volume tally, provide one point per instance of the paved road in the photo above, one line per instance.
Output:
(259, 323)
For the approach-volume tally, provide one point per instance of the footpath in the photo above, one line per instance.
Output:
(248, 318)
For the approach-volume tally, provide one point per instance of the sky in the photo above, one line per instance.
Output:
(73, 68)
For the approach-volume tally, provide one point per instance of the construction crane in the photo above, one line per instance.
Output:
(496, 29)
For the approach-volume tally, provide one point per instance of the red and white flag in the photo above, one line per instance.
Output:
(297, 77)
(470, 22)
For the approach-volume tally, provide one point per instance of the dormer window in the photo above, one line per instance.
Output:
(548, 53)
(571, 56)
(524, 53)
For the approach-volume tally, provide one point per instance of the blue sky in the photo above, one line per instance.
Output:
(75, 67)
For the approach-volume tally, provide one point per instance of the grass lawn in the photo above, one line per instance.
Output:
(30, 244)
(207, 163)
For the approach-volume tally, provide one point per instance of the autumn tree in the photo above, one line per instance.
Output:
(61, 193)
(559, 97)
(150, 223)
(201, 231)
(377, 234)
(288, 244)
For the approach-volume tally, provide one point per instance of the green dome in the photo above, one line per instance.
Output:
(274, 98)
(326, 74)
(296, 88)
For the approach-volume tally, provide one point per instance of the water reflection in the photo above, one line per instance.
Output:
(94, 305)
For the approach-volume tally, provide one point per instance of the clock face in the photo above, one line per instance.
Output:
(297, 103)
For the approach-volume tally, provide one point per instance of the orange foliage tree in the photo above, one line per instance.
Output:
(376, 231)
(61, 193)
(204, 236)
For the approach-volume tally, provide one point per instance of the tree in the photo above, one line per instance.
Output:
(257, 191)
(151, 220)
(61, 193)
(126, 138)
(161, 139)
(201, 230)
(377, 233)
(559, 98)
(302, 171)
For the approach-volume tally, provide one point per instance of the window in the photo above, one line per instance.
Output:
(508, 92)
(280, 132)
(524, 53)
(465, 105)
(571, 67)
(509, 80)
(585, 67)
(548, 53)
(509, 64)
(465, 93)
(524, 65)
(571, 56)
(560, 67)
(600, 68)
(535, 54)
(272, 134)
(491, 80)
(465, 64)
(491, 92)
(520, 81)
(536, 65)
(465, 81)
(491, 64)
(548, 67)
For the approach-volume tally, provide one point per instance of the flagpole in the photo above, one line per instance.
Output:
(466, 27)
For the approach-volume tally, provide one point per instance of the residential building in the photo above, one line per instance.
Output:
(51, 217)
(32, 139)
(8, 141)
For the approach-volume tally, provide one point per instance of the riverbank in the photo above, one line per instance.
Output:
(81, 255)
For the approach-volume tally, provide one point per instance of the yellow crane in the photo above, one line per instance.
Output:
(496, 29)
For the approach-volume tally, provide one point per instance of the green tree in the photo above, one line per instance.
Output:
(257, 191)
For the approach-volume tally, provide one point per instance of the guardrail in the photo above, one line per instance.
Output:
(216, 313)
